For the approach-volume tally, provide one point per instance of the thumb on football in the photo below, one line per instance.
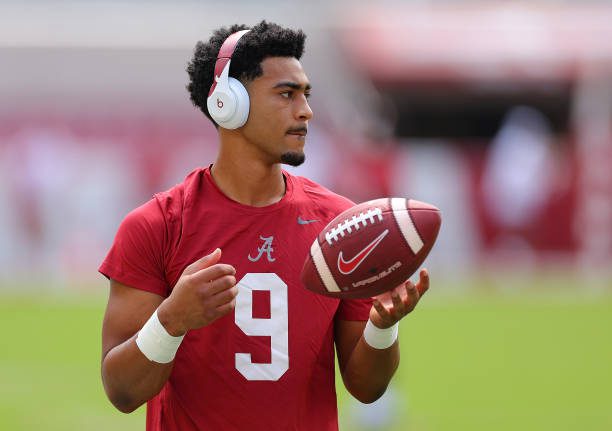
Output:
(204, 262)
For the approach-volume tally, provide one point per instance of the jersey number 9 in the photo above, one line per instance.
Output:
(276, 327)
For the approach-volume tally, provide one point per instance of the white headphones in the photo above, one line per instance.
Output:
(228, 100)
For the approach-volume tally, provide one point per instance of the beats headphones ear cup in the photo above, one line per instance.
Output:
(228, 101)
(229, 107)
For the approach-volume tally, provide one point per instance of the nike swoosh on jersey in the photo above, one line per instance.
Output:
(348, 266)
(300, 220)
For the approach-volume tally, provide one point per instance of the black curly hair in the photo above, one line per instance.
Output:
(265, 40)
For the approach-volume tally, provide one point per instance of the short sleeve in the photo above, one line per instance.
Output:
(136, 256)
(354, 309)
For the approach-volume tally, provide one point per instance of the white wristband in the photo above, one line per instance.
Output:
(380, 338)
(155, 343)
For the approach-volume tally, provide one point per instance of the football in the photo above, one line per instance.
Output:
(371, 248)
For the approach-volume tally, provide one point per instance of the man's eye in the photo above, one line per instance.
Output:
(307, 95)
(286, 94)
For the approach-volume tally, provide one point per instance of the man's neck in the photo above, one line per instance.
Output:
(250, 182)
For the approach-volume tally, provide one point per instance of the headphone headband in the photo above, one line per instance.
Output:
(225, 55)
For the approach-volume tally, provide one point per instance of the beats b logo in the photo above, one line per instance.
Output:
(219, 103)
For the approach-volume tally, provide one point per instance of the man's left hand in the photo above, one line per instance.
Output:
(390, 307)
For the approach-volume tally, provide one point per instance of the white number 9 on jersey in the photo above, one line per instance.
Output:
(276, 327)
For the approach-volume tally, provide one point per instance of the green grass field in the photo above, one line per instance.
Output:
(470, 361)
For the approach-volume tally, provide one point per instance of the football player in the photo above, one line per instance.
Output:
(207, 321)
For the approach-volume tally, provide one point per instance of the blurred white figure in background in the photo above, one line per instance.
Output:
(37, 168)
(518, 172)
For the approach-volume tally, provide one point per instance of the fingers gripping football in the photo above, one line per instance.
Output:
(205, 292)
(390, 307)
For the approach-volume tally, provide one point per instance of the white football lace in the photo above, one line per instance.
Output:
(347, 226)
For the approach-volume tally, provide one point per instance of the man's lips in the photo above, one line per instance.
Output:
(301, 131)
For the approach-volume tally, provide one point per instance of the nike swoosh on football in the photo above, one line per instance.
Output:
(348, 266)
(302, 221)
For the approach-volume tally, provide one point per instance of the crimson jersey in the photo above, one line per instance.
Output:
(270, 363)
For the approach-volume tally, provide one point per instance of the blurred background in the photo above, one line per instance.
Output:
(497, 112)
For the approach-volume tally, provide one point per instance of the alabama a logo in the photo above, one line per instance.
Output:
(266, 248)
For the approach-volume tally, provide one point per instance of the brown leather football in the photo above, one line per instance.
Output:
(371, 248)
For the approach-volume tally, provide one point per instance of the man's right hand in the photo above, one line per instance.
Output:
(205, 292)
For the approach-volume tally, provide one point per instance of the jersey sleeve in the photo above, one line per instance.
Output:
(354, 309)
(136, 256)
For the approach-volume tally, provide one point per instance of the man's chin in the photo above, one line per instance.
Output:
(293, 158)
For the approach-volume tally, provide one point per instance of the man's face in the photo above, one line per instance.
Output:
(279, 111)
